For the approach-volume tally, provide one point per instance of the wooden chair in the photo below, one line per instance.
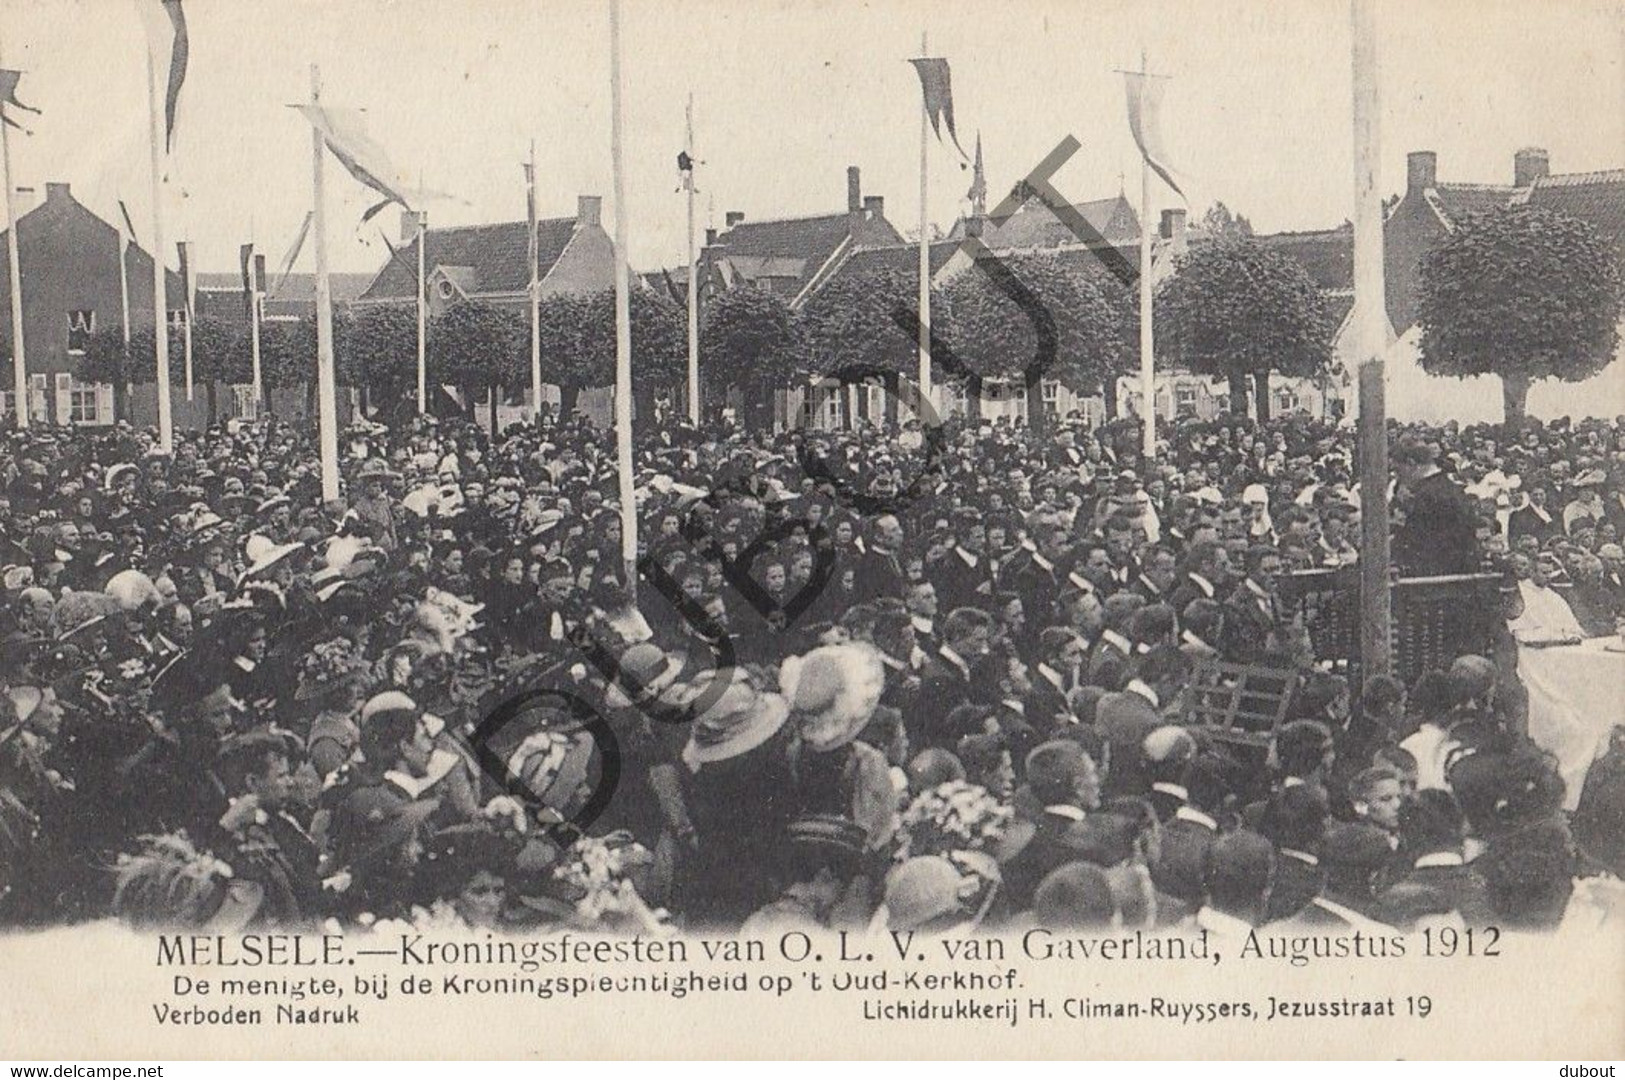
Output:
(1238, 703)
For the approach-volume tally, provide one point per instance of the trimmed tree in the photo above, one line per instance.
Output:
(476, 347)
(1070, 309)
(1522, 293)
(849, 324)
(1237, 309)
(659, 341)
(382, 357)
(749, 340)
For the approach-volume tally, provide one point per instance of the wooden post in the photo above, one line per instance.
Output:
(19, 366)
(326, 392)
(1371, 337)
(160, 291)
(623, 315)
(924, 377)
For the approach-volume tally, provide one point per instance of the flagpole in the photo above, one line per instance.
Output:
(925, 256)
(623, 315)
(160, 290)
(19, 365)
(1371, 339)
(124, 302)
(1148, 366)
(531, 246)
(186, 330)
(693, 279)
(423, 312)
(255, 312)
(327, 405)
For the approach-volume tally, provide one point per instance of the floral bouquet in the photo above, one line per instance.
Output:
(329, 666)
(600, 871)
(952, 817)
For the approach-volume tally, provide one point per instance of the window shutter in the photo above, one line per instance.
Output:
(104, 403)
(64, 397)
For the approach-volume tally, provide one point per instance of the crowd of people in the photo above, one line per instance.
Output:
(858, 678)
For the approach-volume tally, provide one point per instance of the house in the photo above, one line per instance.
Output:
(69, 259)
(792, 257)
(287, 299)
(488, 262)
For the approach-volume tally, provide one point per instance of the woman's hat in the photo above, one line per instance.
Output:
(741, 719)
(263, 553)
(920, 891)
(833, 691)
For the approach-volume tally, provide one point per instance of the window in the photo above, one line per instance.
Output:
(85, 403)
(177, 318)
(37, 404)
(247, 408)
(81, 324)
(1184, 400)
(1052, 392)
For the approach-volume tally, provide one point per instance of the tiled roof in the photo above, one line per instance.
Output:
(1598, 198)
(494, 253)
(796, 247)
(1453, 200)
(297, 288)
(1327, 254)
(1035, 225)
(904, 258)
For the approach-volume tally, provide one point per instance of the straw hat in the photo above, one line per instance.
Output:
(741, 719)
(833, 691)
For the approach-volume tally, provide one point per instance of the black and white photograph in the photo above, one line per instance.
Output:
(1064, 528)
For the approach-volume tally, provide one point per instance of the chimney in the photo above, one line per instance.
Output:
(854, 190)
(1421, 170)
(589, 210)
(733, 217)
(409, 226)
(874, 206)
(710, 236)
(1528, 165)
(1172, 229)
(55, 190)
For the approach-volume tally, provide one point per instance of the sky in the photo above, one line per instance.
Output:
(787, 94)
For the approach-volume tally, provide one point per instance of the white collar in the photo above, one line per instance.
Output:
(1051, 676)
(1291, 782)
(955, 659)
(1541, 513)
(1150, 585)
(1065, 810)
(1135, 686)
(1191, 814)
(1176, 790)
(921, 623)
(965, 556)
(1350, 916)
(1440, 858)
(1191, 639)
(1112, 637)
(1081, 582)
(1202, 583)
(1256, 589)
(1041, 562)
(1301, 856)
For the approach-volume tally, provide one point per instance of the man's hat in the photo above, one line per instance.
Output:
(738, 721)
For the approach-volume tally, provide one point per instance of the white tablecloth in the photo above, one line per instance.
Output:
(1576, 697)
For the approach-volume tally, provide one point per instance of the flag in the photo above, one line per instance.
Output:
(188, 286)
(8, 96)
(978, 185)
(1145, 121)
(178, 52)
(939, 96)
(345, 134)
(531, 253)
(250, 285)
(685, 167)
(129, 226)
(293, 254)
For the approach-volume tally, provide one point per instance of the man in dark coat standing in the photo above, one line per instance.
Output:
(1440, 533)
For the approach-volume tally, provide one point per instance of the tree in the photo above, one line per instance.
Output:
(1219, 221)
(1523, 293)
(850, 325)
(476, 346)
(561, 321)
(1235, 308)
(749, 339)
(1085, 327)
(659, 342)
(382, 356)
(219, 354)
